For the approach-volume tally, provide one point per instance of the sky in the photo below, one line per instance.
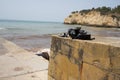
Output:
(47, 10)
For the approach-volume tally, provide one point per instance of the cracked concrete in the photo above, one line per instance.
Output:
(19, 64)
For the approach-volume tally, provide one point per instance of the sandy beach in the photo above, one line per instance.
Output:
(33, 43)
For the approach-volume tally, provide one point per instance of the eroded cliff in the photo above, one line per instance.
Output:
(93, 18)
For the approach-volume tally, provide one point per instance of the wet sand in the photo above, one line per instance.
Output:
(31, 43)
(2, 50)
(35, 43)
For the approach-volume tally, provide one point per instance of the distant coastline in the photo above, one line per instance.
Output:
(100, 17)
(11, 20)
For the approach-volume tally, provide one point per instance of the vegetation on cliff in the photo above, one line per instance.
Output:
(101, 16)
(102, 10)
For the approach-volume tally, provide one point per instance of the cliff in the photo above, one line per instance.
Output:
(73, 59)
(93, 18)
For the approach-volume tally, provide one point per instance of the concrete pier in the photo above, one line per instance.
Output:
(73, 59)
(19, 64)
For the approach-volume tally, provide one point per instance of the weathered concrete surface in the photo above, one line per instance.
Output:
(73, 59)
(19, 64)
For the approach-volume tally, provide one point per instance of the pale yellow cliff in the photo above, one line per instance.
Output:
(94, 18)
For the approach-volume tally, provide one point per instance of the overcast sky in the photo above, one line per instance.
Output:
(47, 10)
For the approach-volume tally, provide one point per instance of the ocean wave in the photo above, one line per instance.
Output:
(43, 50)
(12, 28)
(3, 28)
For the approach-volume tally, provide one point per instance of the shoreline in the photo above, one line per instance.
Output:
(37, 43)
(32, 43)
(93, 25)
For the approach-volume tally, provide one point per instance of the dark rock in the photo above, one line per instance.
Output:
(44, 55)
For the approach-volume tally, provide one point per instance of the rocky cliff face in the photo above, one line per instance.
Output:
(72, 59)
(94, 18)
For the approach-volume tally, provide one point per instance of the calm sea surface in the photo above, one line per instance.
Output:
(22, 28)
(30, 34)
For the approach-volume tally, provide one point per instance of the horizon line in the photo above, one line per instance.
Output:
(12, 20)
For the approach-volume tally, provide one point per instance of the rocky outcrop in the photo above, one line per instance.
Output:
(93, 18)
(72, 59)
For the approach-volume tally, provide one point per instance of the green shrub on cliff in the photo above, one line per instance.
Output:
(74, 12)
(116, 9)
(103, 10)
(84, 11)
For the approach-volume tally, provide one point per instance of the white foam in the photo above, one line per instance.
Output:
(2, 28)
(44, 50)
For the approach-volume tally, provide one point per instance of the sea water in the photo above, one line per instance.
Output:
(19, 28)
(31, 35)
(35, 34)
(22, 28)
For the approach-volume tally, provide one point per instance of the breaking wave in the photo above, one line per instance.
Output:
(43, 50)
(3, 28)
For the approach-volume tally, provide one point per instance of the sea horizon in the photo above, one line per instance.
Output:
(35, 21)
(34, 35)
